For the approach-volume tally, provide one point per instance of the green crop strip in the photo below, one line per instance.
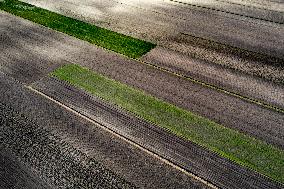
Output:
(120, 43)
(240, 148)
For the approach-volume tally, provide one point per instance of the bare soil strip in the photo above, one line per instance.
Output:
(68, 142)
(256, 64)
(255, 90)
(230, 144)
(159, 17)
(30, 52)
(163, 20)
(195, 159)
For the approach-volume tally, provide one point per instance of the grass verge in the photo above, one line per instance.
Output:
(120, 43)
(245, 150)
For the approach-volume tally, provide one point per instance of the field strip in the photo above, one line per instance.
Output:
(227, 12)
(244, 53)
(263, 104)
(185, 19)
(197, 6)
(120, 43)
(195, 159)
(123, 138)
(240, 148)
(208, 85)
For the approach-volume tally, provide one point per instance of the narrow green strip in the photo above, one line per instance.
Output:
(120, 43)
(240, 148)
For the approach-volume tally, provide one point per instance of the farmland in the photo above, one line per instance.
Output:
(228, 143)
(141, 94)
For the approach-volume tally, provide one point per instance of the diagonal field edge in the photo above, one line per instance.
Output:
(136, 57)
(215, 87)
(238, 147)
(117, 131)
(190, 157)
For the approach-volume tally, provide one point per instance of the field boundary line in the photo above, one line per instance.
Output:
(122, 138)
(205, 84)
(214, 87)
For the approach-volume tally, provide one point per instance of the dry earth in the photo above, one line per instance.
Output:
(68, 151)
(167, 23)
(28, 52)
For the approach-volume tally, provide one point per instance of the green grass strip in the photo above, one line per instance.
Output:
(120, 43)
(238, 147)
